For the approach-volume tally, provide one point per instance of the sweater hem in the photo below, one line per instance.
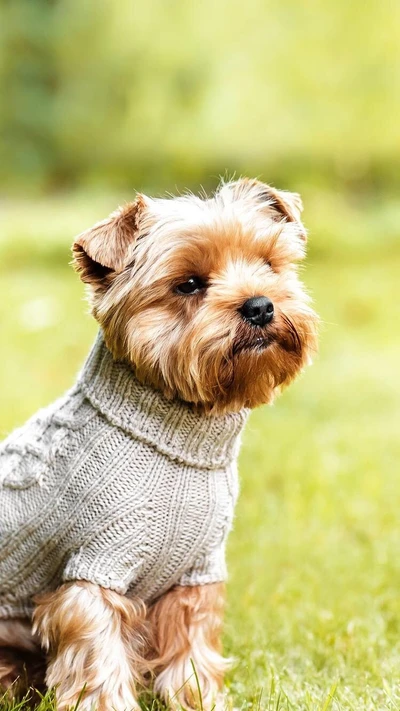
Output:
(104, 582)
(205, 579)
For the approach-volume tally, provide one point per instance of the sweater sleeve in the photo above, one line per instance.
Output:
(209, 568)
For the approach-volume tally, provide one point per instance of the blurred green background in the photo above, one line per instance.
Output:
(100, 99)
(124, 94)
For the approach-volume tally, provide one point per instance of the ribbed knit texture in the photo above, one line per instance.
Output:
(116, 485)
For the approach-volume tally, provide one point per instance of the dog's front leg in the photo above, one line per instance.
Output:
(186, 625)
(94, 637)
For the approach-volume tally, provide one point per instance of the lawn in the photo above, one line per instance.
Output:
(313, 614)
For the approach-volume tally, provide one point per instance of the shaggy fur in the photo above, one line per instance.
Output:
(243, 242)
(191, 642)
(96, 640)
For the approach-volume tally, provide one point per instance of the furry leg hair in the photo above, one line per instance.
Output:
(186, 624)
(21, 660)
(95, 638)
(100, 644)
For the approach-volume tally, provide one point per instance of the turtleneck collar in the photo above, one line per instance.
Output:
(174, 428)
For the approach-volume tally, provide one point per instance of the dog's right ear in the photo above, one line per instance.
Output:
(105, 247)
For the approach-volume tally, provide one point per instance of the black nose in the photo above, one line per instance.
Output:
(259, 310)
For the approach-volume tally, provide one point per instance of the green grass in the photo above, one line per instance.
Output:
(313, 614)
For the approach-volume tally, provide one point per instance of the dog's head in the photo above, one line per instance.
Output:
(202, 295)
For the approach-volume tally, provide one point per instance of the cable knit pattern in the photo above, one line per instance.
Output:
(117, 485)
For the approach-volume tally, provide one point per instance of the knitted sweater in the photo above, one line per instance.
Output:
(116, 485)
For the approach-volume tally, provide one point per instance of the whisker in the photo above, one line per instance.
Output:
(293, 330)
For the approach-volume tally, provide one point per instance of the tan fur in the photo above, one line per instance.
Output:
(10, 669)
(186, 624)
(96, 639)
(244, 241)
(21, 672)
(17, 633)
(284, 204)
(104, 246)
(21, 660)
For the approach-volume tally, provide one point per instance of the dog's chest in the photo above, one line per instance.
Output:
(83, 499)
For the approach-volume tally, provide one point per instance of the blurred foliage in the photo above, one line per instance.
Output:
(163, 92)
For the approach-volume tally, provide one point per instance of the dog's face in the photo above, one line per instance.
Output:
(202, 295)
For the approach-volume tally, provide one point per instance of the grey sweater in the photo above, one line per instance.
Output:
(116, 485)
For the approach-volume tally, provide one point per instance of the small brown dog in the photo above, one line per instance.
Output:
(116, 501)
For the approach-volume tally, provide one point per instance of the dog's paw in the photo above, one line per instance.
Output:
(182, 690)
(118, 699)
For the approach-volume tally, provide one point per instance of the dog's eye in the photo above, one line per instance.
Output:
(191, 286)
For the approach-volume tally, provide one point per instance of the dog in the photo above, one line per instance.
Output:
(116, 501)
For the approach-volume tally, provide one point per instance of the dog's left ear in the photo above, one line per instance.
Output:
(287, 204)
(106, 247)
(283, 205)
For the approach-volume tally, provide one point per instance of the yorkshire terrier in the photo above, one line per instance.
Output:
(115, 502)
